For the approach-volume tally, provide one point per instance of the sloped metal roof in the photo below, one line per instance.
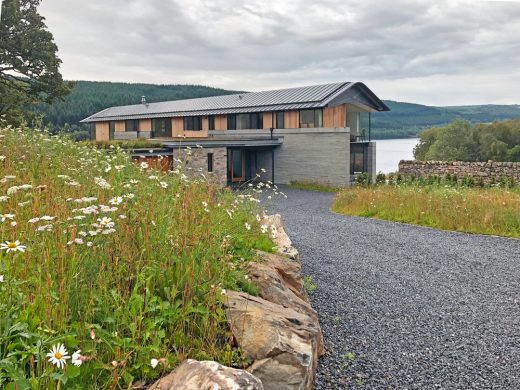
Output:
(281, 99)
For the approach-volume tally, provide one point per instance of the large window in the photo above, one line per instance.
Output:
(250, 121)
(231, 121)
(193, 123)
(279, 120)
(132, 125)
(311, 118)
(162, 127)
(211, 122)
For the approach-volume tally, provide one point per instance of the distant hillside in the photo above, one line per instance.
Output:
(405, 119)
(89, 97)
(408, 119)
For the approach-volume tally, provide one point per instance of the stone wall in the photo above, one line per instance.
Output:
(197, 162)
(487, 172)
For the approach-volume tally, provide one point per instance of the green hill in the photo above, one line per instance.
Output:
(408, 119)
(404, 120)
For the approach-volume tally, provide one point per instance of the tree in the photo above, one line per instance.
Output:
(29, 65)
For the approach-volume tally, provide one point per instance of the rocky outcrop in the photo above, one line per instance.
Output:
(282, 241)
(207, 375)
(279, 281)
(283, 342)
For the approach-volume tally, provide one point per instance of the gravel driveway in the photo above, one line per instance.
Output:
(405, 307)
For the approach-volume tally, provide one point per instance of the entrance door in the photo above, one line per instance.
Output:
(238, 171)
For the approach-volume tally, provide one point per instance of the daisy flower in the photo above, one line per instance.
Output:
(13, 246)
(3, 217)
(154, 363)
(77, 358)
(58, 355)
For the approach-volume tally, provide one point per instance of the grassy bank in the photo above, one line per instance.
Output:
(313, 186)
(125, 264)
(475, 210)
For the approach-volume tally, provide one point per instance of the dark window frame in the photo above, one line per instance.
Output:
(165, 126)
(317, 116)
(277, 116)
(231, 121)
(210, 162)
(193, 123)
(132, 125)
(211, 122)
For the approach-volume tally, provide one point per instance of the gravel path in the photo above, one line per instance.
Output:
(405, 307)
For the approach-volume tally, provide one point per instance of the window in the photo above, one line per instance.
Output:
(210, 162)
(132, 125)
(231, 122)
(279, 120)
(193, 123)
(250, 121)
(211, 122)
(162, 127)
(243, 121)
(311, 118)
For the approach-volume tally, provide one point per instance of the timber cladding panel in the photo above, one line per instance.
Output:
(268, 120)
(335, 116)
(145, 125)
(177, 127)
(102, 131)
(291, 119)
(220, 122)
(119, 126)
(205, 123)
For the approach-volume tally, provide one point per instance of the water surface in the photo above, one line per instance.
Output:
(390, 151)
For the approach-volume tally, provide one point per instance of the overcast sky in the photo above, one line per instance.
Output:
(430, 52)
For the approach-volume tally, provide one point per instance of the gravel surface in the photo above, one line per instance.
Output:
(405, 307)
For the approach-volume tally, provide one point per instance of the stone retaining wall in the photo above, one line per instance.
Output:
(487, 172)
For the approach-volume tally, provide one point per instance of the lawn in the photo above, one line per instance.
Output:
(118, 267)
(493, 210)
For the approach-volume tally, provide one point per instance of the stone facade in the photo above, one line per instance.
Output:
(486, 172)
(197, 162)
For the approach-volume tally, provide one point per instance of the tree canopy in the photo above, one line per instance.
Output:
(29, 65)
(464, 141)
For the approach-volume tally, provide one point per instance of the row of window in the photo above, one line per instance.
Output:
(255, 120)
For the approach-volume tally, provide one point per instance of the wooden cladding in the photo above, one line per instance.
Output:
(292, 119)
(220, 122)
(120, 126)
(335, 116)
(145, 125)
(268, 120)
(102, 131)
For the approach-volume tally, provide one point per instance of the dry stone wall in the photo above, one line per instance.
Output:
(487, 172)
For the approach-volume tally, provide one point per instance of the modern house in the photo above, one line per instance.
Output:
(318, 133)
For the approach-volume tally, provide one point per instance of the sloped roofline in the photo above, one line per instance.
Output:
(317, 96)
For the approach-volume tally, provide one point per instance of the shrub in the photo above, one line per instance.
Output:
(380, 178)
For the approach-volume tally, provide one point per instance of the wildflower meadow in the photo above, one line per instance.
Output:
(111, 273)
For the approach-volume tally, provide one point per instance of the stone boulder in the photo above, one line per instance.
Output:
(278, 280)
(283, 342)
(207, 375)
(280, 238)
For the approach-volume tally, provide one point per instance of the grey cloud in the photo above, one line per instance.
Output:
(259, 44)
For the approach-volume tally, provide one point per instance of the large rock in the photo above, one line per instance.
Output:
(207, 375)
(283, 342)
(278, 280)
(280, 238)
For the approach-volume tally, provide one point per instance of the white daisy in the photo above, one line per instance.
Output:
(77, 358)
(13, 246)
(154, 363)
(3, 217)
(58, 355)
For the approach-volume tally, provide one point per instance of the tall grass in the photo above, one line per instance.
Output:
(122, 262)
(475, 210)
